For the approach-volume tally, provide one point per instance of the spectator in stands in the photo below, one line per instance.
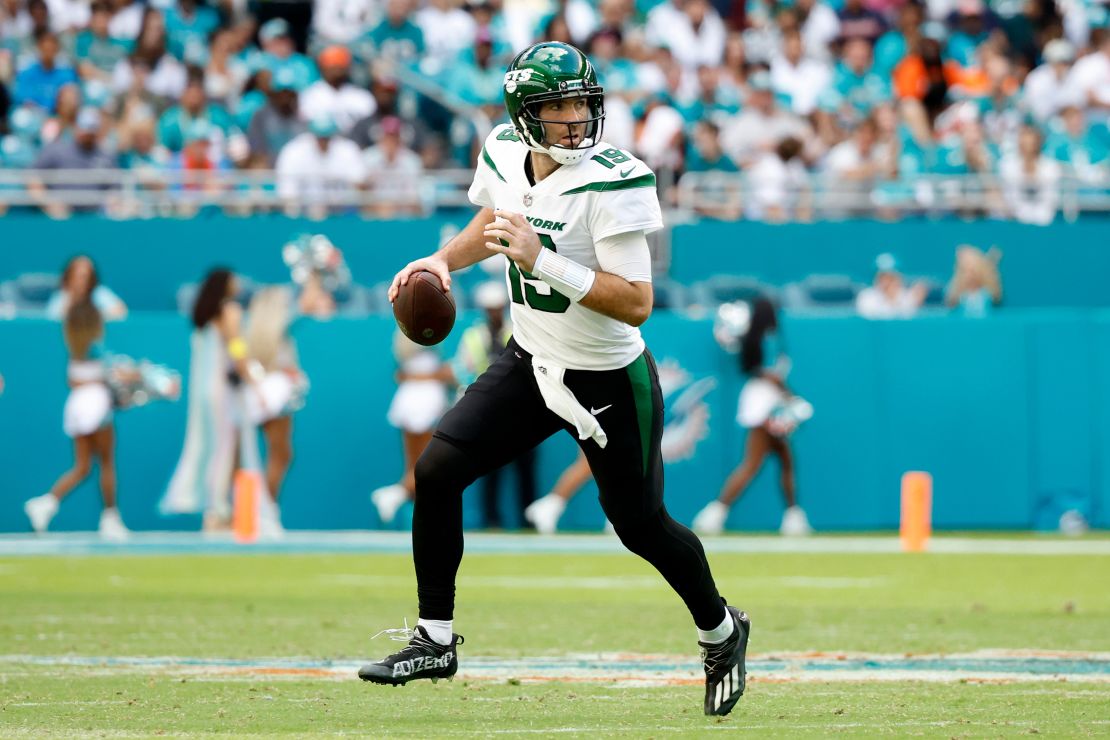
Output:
(188, 26)
(394, 173)
(278, 122)
(895, 44)
(921, 74)
(341, 21)
(141, 154)
(279, 52)
(777, 185)
(127, 20)
(478, 76)
(386, 91)
(820, 27)
(39, 83)
(96, 51)
(487, 18)
(318, 166)
(1082, 149)
(857, 21)
(334, 95)
(194, 107)
(1046, 89)
(714, 101)
(81, 282)
(447, 30)
(855, 166)
(889, 297)
(860, 89)
(66, 107)
(972, 28)
(975, 287)
(224, 75)
(691, 29)
(704, 152)
(198, 163)
(1090, 78)
(761, 124)
(81, 152)
(1030, 180)
(797, 77)
(396, 39)
(150, 68)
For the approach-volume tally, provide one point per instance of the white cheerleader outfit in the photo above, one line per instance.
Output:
(418, 404)
(89, 404)
(760, 397)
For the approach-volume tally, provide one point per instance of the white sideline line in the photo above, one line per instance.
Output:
(147, 543)
(620, 670)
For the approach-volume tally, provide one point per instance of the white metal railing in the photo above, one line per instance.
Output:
(139, 193)
(737, 195)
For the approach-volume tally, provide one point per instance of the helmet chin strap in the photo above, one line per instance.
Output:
(562, 155)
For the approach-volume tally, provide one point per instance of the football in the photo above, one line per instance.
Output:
(424, 310)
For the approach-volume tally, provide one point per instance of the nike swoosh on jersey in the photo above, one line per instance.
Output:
(626, 173)
(595, 412)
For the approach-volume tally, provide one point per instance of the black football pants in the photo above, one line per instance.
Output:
(501, 415)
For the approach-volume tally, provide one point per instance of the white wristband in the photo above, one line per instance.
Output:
(564, 275)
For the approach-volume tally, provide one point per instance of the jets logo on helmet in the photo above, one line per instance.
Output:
(547, 72)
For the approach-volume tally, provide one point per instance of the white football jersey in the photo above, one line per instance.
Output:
(607, 194)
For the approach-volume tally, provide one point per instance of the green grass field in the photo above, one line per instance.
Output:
(519, 606)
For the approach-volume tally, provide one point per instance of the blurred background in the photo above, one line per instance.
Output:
(922, 191)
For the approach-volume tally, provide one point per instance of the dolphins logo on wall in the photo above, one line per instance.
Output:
(686, 421)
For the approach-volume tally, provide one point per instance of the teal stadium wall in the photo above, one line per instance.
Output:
(1010, 413)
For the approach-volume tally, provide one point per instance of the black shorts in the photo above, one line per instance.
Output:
(502, 415)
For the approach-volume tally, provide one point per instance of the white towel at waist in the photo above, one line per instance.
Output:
(549, 377)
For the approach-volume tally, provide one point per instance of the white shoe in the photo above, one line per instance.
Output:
(795, 523)
(269, 523)
(711, 519)
(388, 499)
(111, 526)
(544, 513)
(40, 510)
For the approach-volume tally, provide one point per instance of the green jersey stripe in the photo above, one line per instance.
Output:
(640, 379)
(489, 160)
(643, 181)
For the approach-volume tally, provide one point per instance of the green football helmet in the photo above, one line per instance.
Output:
(547, 71)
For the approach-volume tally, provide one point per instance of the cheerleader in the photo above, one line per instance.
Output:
(87, 420)
(218, 364)
(770, 412)
(420, 400)
(81, 281)
(282, 386)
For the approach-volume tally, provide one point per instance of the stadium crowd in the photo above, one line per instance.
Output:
(880, 98)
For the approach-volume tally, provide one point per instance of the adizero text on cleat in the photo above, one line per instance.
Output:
(725, 672)
(423, 657)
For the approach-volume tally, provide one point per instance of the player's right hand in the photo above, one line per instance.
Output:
(433, 264)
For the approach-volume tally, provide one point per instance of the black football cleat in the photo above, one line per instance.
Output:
(725, 674)
(423, 657)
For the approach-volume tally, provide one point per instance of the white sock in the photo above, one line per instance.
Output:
(438, 629)
(720, 633)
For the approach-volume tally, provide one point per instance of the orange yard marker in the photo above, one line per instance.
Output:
(917, 511)
(244, 513)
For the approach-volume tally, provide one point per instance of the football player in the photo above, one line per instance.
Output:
(571, 214)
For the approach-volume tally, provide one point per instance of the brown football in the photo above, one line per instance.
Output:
(424, 310)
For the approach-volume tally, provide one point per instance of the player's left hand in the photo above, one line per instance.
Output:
(511, 228)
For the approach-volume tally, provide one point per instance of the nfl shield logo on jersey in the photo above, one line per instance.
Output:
(527, 200)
